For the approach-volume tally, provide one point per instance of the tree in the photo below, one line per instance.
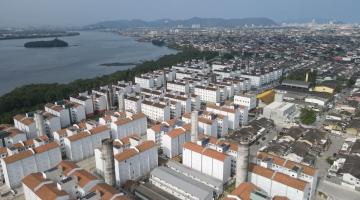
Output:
(307, 116)
(301, 74)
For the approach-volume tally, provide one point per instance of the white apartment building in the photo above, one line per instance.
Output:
(280, 112)
(180, 86)
(195, 102)
(67, 181)
(235, 116)
(26, 124)
(170, 74)
(77, 112)
(124, 127)
(175, 107)
(206, 126)
(247, 100)
(179, 67)
(135, 162)
(223, 146)
(244, 84)
(51, 123)
(21, 146)
(21, 164)
(81, 145)
(224, 93)
(125, 88)
(224, 73)
(219, 66)
(60, 111)
(85, 100)
(145, 81)
(290, 168)
(132, 104)
(69, 112)
(208, 94)
(240, 84)
(230, 89)
(119, 146)
(184, 101)
(10, 135)
(207, 161)
(262, 77)
(173, 141)
(157, 131)
(100, 103)
(152, 93)
(182, 75)
(279, 184)
(222, 122)
(156, 111)
(256, 80)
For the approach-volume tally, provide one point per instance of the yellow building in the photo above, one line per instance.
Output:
(266, 97)
(324, 88)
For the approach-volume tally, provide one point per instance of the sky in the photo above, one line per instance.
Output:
(22, 13)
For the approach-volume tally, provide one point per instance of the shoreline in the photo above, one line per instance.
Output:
(40, 37)
(97, 65)
(119, 64)
(33, 96)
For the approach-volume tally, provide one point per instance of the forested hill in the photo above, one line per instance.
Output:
(31, 97)
(168, 23)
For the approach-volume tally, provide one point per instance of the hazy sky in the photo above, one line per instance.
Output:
(83, 12)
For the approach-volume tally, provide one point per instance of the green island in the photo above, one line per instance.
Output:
(159, 43)
(46, 44)
(31, 97)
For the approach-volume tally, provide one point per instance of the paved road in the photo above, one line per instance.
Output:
(254, 148)
(337, 192)
(335, 146)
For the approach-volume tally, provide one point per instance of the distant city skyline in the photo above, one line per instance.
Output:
(21, 13)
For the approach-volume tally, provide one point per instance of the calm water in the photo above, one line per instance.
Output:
(19, 66)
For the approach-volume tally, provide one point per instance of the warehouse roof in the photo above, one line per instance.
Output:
(295, 83)
(193, 173)
(183, 182)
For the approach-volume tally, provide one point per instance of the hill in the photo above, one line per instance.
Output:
(168, 23)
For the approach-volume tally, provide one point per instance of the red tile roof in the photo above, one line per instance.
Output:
(176, 132)
(46, 147)
(145, 146)
(126, 154)
(67, 166)
(193, 147)
(215, 154)
(84, 177)
(33, 180)
(18, 156)
(107, 192)
(99, 129)
(311, 171)
(243, 191)
(50, 192)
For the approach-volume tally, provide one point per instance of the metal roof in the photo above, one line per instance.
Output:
(183, 182)
(194, 174)
(295, 83)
